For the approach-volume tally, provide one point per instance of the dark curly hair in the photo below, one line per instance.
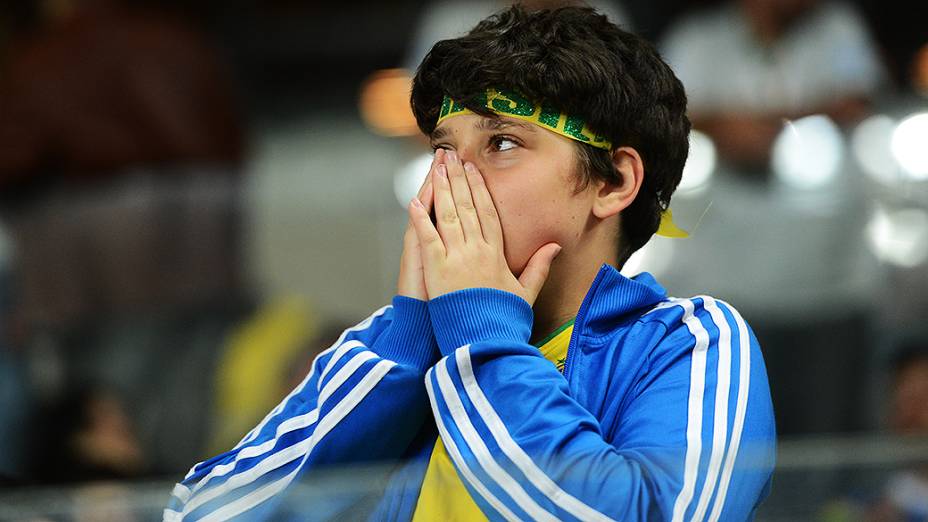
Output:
(574, 59)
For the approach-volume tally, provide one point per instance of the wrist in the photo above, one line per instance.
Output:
(409, 339)
(479, 314)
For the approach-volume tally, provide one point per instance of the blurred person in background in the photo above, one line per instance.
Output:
(100, 102)
(88, 436)
(444, 19)
(902, 494)
(791, 252)
(120, 153)
(905, 497)
(662, 410)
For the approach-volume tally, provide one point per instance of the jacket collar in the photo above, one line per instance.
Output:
(614, 298)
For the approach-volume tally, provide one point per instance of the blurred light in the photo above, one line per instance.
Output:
(899, 237)
(654, 257)
(910, 145)
(870, 144)
(384, 103)
(808, 152)
(700, 164)
(409, 178)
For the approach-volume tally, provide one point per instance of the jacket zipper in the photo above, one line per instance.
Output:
(572, 346)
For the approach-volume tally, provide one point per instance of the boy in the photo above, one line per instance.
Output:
(559, 139)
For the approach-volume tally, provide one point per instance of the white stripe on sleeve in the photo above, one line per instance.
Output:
(455, 455)
(339, 353)
(291, 424)
(286, 455)
(722, 387)
(744, 379)
(181, 492)
(343, 374)
(251, 435)
(329, 421)
(511, 449)
(694, 409)
(472, 438)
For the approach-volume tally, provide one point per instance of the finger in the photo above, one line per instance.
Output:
(410, 258)
(410, 239)
(436, 159)
(483, 203)
(410, 282)
(427, 197)
(425, 194)
(431, 247)
(537, 269)
(446, 215)
(460, 192)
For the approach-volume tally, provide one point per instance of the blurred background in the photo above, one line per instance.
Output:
(197, 197)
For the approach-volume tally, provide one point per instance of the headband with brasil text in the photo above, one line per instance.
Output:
(511, 104)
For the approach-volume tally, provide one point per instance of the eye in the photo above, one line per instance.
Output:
(503, 143)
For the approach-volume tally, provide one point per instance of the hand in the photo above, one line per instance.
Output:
(466, 249)
(411, 281)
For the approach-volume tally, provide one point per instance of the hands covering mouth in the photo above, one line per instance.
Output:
(454, 240)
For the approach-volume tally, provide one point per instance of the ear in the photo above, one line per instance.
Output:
(615, 196)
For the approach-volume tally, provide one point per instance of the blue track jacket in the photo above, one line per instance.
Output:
(663, 412)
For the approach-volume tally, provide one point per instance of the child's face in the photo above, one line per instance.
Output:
(530, 173)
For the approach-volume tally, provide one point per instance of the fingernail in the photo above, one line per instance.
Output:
(452, 156)
(443, 171)
(556, 252)
(470, 168)
(416, 202)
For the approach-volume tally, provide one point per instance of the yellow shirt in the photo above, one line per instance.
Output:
(443, 496)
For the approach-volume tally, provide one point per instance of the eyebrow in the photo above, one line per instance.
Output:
(499, 124)
(486, 124)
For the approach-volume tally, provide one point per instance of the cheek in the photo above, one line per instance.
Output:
(529, 221)
(535, 207)
(514, 207)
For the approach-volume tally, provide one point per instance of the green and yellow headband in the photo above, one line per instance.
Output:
(513, 105)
